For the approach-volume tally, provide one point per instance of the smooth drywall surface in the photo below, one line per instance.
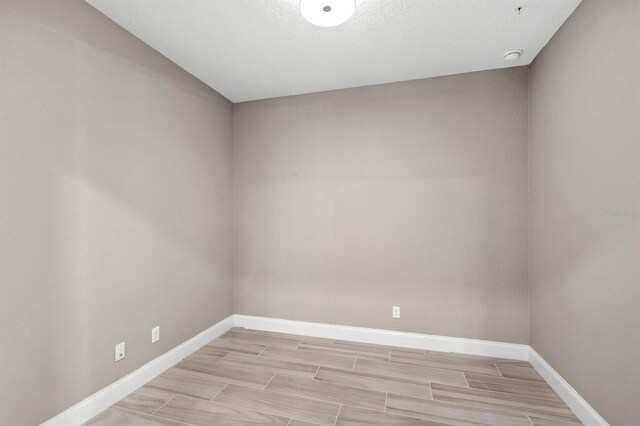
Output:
(410, 194)
(115, 208)
(584, 263)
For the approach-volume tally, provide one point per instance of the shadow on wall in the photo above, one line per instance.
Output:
(115, 181)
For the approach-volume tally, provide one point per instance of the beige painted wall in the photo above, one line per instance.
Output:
(584, 262)
(115, 205)
(410, 194)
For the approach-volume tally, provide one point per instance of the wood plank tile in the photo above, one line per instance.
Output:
(354, 351)
(376, 346)
(376, 382)
(145, 400)
(443, 360)
(236, 346)
(115, 416)
(358, 347)
(310, 356)
(187, 382)
(487, 359)
(329, 392)
(198, 412)
(239, 376)
(503, 402)
(259, 339)
(546, 422)
(296, 337)
(450, 413)
(295, 422)
(206, 354)
(519, 372)
(272, 365)
(311, 410)
(514, 386)
(353, 416)
(411, 372)
(242, 330)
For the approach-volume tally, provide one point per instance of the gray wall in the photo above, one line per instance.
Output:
(115, 205)
(584, 263)
(410, 194)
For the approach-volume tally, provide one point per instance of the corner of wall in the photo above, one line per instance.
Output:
(233, 209)
(528, 216)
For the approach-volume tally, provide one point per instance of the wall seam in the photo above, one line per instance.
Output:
(528, 213)
(233, 209)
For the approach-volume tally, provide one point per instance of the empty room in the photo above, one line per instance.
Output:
(319, 212)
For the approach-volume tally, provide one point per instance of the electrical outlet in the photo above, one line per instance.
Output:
(155, 334)
(395, 312)
(119, 351)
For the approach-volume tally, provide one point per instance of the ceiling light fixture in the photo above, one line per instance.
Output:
(327, 13)
(512, 55)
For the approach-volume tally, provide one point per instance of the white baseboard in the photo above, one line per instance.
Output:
(566, 392)
(574, 401)
(387, 337)
(104, 398)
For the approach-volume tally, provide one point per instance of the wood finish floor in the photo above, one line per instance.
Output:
(248, 377)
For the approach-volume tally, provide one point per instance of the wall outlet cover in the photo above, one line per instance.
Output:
(155, 334)
(119, 351)
(395, 312)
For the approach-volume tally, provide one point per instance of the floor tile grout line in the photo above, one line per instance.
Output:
(431, 391)
(449, 368)
(231, 404)
(166, 402)
(440, 368)
(346, 353)
(531, 421)
(498, 393)
(215, 363)
(395, 376)
(418, 419)
(337, 415)
(274, 376)
(218, 393)
(227, 404)
(147, 414)
(464, 374)
(419, 366)
(427, 384)
(304, 361)
(386, 395)
(317, 399)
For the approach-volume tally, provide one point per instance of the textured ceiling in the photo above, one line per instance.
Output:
(256, 49)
